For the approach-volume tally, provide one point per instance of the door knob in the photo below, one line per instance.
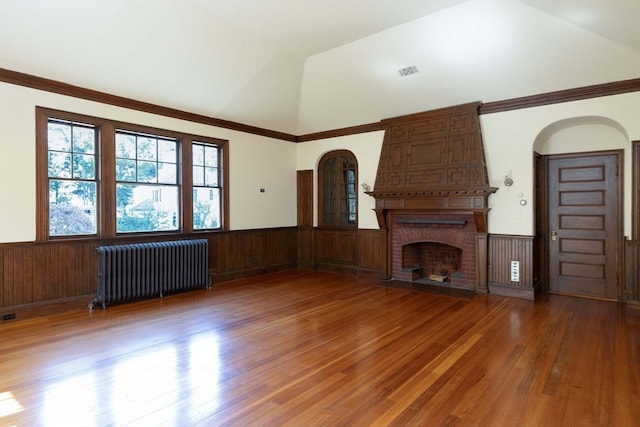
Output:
(554, 235)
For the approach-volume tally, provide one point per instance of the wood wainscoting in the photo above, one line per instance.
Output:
(246, 253)
(32, 273)
(361, 251)
(35, 274)
(365, 251)
(502, 250)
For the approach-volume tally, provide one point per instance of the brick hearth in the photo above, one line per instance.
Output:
(454, 230)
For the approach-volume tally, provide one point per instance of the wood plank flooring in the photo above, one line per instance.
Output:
(305, 348)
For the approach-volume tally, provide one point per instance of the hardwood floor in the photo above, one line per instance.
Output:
(305, 348)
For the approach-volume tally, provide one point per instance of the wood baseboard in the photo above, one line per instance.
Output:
(633, 307)
(28, 311)
(511, 291)
(249, 272)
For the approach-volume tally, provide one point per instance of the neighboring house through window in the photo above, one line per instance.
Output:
(206, 185)
(96, 177)
(146, 183)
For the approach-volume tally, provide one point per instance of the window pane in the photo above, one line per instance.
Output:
(125, 146)
(167, 151)
(207, 175)
(84, 166)
(167, 173)
(125, 170)
(146, 208)
(206, 208)
(59, 164)
(147, 172)
(198, 175)
(211, 177)
(72, 207)
(207, 203)
(84, 140)
(211, 156)
(198, 154)
(59, 136)
(147, 148)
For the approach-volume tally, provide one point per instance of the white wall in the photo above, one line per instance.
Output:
(258, 162)
(510, 139)
(366, 147)
(255, 162)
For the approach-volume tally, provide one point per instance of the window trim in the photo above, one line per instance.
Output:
(96, 179)
(337, 154)
(106, 203)
(219, 177)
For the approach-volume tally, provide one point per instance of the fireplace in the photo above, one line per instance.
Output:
(434, 248)
(431, 194)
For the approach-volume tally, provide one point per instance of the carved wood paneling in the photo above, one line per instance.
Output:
(433, 161)
(433, 151)
(502, 250)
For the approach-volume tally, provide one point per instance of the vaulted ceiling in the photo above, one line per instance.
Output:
(303, 66)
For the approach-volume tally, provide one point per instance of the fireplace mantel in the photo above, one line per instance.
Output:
(471, 201)
(432, 168)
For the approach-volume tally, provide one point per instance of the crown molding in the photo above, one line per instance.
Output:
(567, 95)
(53, 86)
(352, 130)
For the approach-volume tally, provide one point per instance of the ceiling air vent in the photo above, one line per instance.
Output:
(407, 71)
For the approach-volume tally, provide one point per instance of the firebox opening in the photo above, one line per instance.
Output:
(431, 261)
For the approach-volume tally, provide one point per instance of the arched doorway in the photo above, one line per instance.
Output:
(579, 209)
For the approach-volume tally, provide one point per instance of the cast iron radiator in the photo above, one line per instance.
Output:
(142, 270)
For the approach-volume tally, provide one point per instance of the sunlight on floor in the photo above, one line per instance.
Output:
(168, 383)
(9, 405)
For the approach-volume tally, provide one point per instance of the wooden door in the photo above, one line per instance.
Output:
(305, 219)
(583, 225)
(305, 197)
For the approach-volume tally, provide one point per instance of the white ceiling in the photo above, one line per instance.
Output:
(302, 66)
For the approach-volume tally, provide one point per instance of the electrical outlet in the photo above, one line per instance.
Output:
(8, 316)
(515, 271)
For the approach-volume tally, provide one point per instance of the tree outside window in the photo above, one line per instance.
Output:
(96, 177)
(206, 186)
(72, 169)
(146, 183)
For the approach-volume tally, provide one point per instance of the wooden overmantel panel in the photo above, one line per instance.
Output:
(433, 161)
(433, 151)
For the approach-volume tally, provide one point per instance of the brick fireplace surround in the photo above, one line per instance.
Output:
(431, 194)
(430, 234)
